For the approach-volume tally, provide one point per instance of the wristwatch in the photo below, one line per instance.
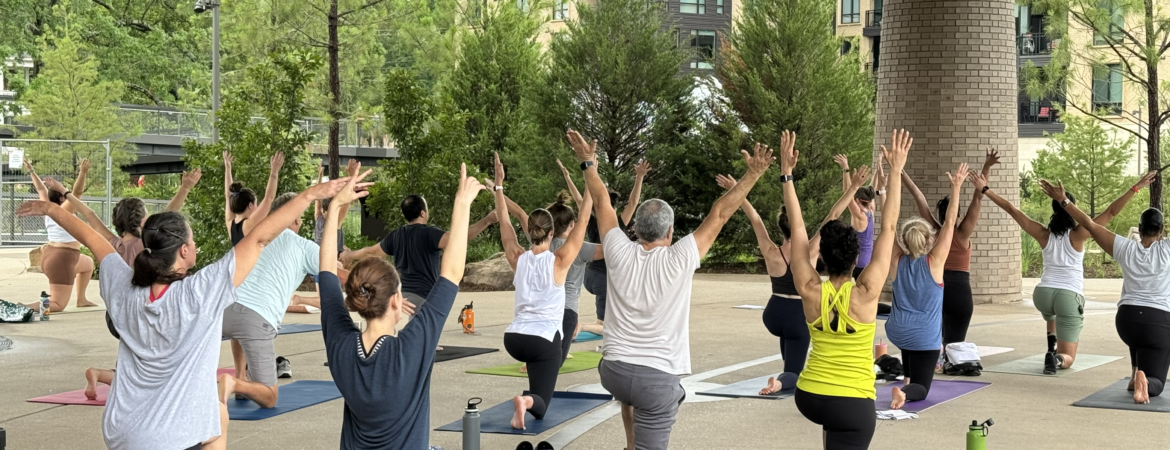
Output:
(499, 187)
(985, 189)
(1064, 204)
(585, 165)
(785, 178)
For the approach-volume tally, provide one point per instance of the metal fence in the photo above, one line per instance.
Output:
(58, 159)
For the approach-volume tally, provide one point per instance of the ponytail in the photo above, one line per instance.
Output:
(562, 214)
(162, 237)
(240, 198)
(369, 287)
(540, 224)
(915, 237)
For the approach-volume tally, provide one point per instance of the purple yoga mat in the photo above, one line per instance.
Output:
(940, 392)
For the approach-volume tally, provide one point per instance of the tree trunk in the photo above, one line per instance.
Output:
(334, 94)
(1153, 141)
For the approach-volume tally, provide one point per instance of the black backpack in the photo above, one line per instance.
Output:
(891, 368)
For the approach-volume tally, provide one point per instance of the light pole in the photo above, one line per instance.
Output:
(213, 5)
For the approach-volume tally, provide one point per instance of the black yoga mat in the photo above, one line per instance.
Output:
(449, 352)
(1116, 397)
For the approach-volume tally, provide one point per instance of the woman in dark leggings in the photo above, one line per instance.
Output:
(1143, 313)
(958, 304)
(915, 321)
(836, 389)
(535, 335)
(241, 213)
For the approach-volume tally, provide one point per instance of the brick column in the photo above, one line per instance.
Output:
(948, 75)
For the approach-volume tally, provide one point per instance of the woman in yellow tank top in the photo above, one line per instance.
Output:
(836, 388)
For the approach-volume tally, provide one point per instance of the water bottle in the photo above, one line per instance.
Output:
(44, 306)
(977, 434)
(471, 424)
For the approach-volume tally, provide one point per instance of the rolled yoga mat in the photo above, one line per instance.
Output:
(1034, 365)
(749, 389)
(293, 396)
(452, 352)
(586, 336)
(941, 391)
(580, 361)
(103, 392)
(564, 407)
(1115, 396)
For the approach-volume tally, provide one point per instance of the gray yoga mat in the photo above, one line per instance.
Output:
(748, 389)
(1116, 397)
(1034, 365)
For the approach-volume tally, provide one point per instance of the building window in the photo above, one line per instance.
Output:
(693, 7)
(1116, 24)
(850, 11)
(704, 44)
(1107, 89)
(561, 10)
(718, 6)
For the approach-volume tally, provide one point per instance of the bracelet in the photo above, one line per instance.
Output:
(1134, 189)
(499, 187)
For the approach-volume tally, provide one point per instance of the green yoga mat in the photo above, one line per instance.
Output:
(1034, 365)
(581, 361)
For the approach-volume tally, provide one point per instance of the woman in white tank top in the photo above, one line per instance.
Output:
(1060, 294)
(61, 258)
(535, 335)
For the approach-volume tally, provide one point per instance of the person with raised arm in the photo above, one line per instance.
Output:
(240, 212)
(784, 314)
(61, 258)
(1143, 312)
(170, 323)
(647, 345)
(958, 303)
(915, 323)
(861, 213)
(1060, 296)
(384, 374)
(836, 389)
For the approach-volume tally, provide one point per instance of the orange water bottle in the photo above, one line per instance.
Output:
(467, 318)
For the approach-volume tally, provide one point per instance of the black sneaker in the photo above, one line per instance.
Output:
(283, 367)
(1050, 363)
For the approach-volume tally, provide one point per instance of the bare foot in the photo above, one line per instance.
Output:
(227, 385)
(83, 303)
(299, 309)
(1141, 388)
(438, 348)
(521, 407)
(1131, 377)
(569, 356)
(524, 368)
(774, 386)
(91, 380)
(899, 398)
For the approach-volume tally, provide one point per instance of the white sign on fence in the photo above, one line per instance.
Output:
(15, 158)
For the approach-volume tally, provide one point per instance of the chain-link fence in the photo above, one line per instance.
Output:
(57, 159)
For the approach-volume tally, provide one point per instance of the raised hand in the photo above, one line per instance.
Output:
(842, 161)
(328, 189)
(1056, 191)
(585, 151)
(352, 167)
(35, 208)
(354, 188)
(977, 179)
(641, 169)
(28, 166)
(859, 176)
(900, 143)
(1146, 180)
(725, 181)
(562, 166)
(788, 153)
(276, 162)
(959, 175)
(469, 187)
(499, 171)
(85, 165)
(227, 160)
(992, 158)
(191, 178)
(54, 185)
(759, 162)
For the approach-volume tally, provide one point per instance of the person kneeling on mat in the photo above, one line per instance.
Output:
(1143, 313)
(386, 380)
(915, 323)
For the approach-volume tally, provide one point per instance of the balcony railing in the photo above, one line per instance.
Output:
(1035, 44)
(1043, 111)
(873, 18)
(1110, 108)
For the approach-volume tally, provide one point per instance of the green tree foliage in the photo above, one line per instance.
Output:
(275, 91)
(613, 75)
(1089, 162)
(790, 74)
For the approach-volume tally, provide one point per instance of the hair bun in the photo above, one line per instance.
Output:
(236, 187)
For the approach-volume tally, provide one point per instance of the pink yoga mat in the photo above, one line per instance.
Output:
(78, 397)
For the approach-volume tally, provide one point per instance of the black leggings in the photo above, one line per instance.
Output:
(958, 305)
(570, 325)
(1147, 333)
(596, 284)
(918, 366)
(848, 422)
(544, 363)
(784, 318)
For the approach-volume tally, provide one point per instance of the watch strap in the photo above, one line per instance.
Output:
(785, 178)
(586, 164)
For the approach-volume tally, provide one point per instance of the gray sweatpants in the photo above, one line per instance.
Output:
(654, 394)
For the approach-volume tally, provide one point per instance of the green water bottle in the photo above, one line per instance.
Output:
(977, 434)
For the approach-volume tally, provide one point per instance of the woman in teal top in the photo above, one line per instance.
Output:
(836, 388)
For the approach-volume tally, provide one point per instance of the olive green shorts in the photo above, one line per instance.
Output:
(1065, 307)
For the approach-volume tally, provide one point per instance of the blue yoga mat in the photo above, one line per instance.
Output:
(586, 336)
(293, 396)
(565, 406)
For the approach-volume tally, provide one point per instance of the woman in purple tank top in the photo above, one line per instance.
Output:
(862, 209)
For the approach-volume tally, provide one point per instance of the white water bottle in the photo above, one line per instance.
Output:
(44, 306)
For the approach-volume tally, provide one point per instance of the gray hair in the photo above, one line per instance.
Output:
(282, 199)
(653, 220)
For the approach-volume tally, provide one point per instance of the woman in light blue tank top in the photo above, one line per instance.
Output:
(915, 324)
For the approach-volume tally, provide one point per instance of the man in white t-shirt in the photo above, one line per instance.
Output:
(647, 344)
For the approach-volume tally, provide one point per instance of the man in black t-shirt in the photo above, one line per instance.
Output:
(416, 248)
